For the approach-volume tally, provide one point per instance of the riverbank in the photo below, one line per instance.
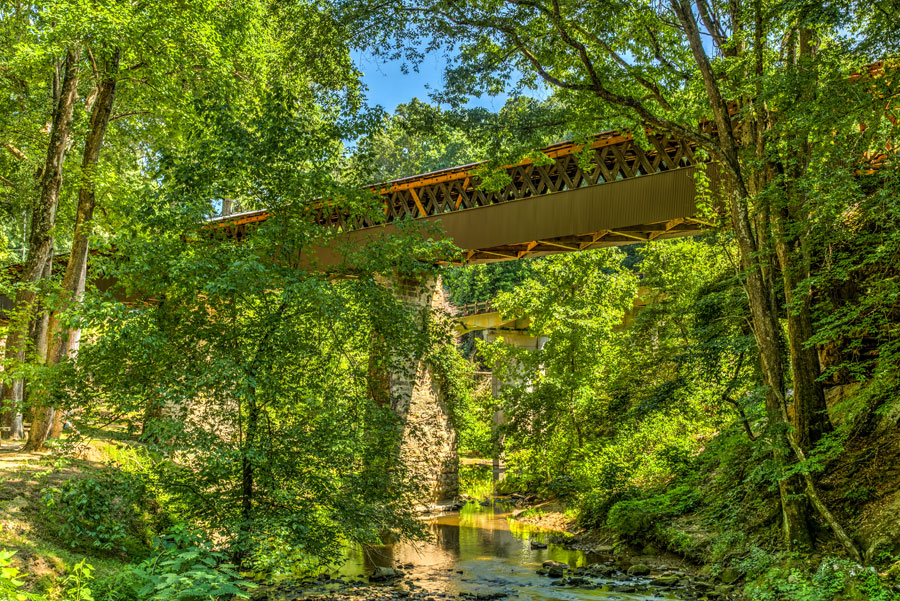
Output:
(723, 527)
(514, 546)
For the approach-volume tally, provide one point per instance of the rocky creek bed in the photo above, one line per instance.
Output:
(480, 554)
(604, 580)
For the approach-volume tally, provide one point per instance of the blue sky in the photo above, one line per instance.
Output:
(389, 86)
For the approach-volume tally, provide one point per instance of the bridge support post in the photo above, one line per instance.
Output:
(498, 460)
(428, 446)
(520, 339)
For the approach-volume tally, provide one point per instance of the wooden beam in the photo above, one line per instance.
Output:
(418, 202)
(527, 250)
(465, 186)
(496, 254)
(557, 244)
(627, 235)
(701, 222)
(594, 239)
(669, 225)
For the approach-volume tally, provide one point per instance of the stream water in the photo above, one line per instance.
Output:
(480, 552)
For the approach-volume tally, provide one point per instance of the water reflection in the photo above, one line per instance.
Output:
(480, 550)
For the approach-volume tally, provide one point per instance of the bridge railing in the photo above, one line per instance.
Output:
(608, 157)
(476, 308)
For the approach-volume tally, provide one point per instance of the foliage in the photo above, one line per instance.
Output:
(11, 585)
(481, 283)
(468, 397)
(833, 579)
(76, 583)
(855, 289)
(639, 516)
(250, 369)
(548, 397)
(175, 57)
(601, 413)
(109, 511)
(476, 481)
(785, 98)
(74, 587)
(187, 568)
(420, 138)
(252, 378)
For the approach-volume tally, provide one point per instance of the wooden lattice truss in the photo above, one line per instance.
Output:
(609, 157)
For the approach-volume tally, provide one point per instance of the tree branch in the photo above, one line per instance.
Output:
(8, 183)
(712, 26)
(726, 396)
(561, 23)
(727, 142)
(15, 151)
(658, 123)
(657, 54)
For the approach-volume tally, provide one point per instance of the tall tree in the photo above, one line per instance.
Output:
(45, 419)
(43, 220)
(733, 78)
(260, 362)
(145, 71)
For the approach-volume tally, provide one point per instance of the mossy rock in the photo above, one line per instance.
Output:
(729, 576)
(666, 581)
(650, 550)
(639, 569)
(852, 592)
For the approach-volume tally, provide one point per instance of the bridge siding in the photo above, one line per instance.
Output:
(626, 203)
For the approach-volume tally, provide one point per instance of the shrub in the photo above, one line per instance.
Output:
(561, 486)
(594, 506)
(187, 568)
(10, 585)
(638, 516)
(834, 579)
(476, 480)
(74, 586)
(729, 543)
(108, 512)
(756, 563)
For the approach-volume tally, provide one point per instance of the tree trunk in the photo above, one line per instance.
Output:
(247, 467)
(61, 344)
(41, 416)
(152, 413)
(13, 423)
(57, 427)
(250, 435)
(43, 219)
(810, 420)
(795, 527)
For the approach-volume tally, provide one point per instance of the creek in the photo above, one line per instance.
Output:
(481, 553)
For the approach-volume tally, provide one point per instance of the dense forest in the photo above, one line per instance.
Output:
(198, 403)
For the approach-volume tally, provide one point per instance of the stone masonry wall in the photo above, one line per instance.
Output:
(429, 439)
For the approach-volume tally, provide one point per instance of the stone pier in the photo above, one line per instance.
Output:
(428, 447)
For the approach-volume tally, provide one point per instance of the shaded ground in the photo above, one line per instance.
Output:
(23, 527)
